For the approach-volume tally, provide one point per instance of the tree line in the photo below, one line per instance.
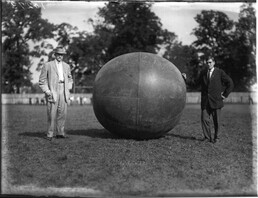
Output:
(122, 28)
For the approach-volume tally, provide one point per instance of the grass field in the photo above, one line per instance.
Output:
(93, 162)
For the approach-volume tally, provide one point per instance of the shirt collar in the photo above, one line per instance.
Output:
(212, 69)
(58, 63)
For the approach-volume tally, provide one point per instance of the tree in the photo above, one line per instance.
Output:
(22, 26)
(214, 38)
(244, 48)
(130, 27)
(213, 35)
(65, 32)
(121, 28)
(85, 58)
(232, 44)
(185, 59)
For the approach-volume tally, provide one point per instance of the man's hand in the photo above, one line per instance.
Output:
(49, 96)
(48, 93)
(223, 97)
(184, 75)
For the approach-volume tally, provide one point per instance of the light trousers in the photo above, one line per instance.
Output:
(56, 113)
(207, 116)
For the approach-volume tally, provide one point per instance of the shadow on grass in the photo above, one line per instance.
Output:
(98, 133)
(34, 134)
(94, 133)
(184, 137)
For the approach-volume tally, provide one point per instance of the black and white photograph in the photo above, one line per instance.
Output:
(128, 98)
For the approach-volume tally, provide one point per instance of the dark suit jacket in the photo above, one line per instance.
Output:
(220, 83)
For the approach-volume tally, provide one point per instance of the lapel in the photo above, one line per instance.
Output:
(54, 66)
(64, 69)
(206, 80)
(213, 73)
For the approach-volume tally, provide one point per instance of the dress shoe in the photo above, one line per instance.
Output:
(204, 139)
(61, 136)
(213, 141)
(49, 138)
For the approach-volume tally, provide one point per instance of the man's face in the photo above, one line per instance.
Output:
(59, 57)
(210, 63)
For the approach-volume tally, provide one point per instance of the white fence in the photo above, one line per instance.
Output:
(191, 97)
(40, 99)
(235, 97)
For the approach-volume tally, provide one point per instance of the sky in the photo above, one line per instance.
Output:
(177, 17)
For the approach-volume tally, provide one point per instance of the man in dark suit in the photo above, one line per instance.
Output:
(216, 85)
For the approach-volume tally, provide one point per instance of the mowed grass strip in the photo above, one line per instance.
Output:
(176, 164)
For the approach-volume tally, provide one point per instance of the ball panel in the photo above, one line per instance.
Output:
(159, 78)
(118, 78)
(159, 111)
(147, 130)
(116, 109)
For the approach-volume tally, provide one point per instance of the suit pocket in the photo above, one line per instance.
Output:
(70, 86)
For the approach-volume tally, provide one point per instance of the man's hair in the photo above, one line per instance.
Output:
(211, 58)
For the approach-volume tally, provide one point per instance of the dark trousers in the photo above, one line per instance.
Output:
(207, 116)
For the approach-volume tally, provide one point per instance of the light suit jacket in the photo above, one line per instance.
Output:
(48, 79)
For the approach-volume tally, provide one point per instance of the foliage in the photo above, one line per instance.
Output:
(130, 27)
(121, 28)
(243, 48)
(65, 32)
(232, 44)
(21, 24)
(212, 35)
(62, 34)
(85, 56)
(184, 57)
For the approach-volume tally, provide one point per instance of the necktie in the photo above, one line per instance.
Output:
(208, 75)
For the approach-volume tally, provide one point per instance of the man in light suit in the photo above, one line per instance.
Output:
(216, 85)
(55, 81)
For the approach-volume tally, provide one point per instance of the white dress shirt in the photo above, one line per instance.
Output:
(59, 66)
(210, 72)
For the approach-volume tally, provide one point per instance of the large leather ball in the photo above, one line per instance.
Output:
(139, 95)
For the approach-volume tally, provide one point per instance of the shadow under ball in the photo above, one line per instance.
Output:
(139, 95)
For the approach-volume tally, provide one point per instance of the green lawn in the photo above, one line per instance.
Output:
(94, 162)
